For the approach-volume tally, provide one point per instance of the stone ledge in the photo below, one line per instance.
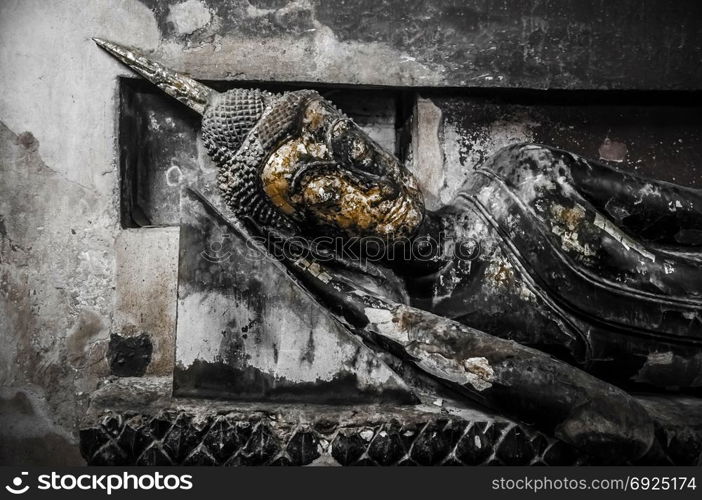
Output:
(180, 438)
(135, 421)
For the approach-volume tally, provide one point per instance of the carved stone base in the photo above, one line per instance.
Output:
(178, 438)
(161, 430)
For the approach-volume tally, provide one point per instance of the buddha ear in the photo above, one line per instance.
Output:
(188, 91)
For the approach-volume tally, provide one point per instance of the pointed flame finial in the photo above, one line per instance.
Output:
(188, 91)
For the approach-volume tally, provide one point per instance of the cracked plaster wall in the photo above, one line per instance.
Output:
(70, 276)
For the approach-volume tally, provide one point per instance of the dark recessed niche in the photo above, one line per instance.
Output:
(662, 132)
(159, 151)
(651, 134)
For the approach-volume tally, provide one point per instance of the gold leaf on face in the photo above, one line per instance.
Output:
(281, 165)
(336, 197)
(336, 200)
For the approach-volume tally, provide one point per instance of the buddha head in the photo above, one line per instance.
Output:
(293, 159)
(296, 158)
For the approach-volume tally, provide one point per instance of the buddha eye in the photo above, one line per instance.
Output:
(352, 149)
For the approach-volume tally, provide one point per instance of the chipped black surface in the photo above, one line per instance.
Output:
(622, 311)
(129, 356)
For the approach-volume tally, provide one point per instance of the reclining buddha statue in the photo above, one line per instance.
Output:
(550, 286)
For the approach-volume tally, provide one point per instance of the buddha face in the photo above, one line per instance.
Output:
(331, 174)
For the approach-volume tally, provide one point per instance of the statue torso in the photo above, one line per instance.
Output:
(554, 270)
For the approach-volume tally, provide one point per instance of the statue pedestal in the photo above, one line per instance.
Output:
(162, 430)
(136, 421)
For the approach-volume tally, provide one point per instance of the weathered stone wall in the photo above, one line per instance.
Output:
(72, 279)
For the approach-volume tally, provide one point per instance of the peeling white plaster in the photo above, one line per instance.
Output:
(189, 16)
(474, 372)
(57, 80)
(480, 372)
(199, 336)
(383, 320)
(282, 348)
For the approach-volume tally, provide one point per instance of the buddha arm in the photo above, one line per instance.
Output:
(531, 386)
